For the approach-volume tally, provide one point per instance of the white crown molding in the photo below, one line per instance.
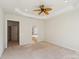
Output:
(30, 15)
(68, 8)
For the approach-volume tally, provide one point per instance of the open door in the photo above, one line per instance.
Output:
(13, 33)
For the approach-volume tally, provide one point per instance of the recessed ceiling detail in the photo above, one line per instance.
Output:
(26, 7)
(30, 15)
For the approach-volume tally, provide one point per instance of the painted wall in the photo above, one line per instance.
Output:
(1, 32)
(26, 28)
(63, 30)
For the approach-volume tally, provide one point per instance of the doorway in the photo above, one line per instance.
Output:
(13, 33)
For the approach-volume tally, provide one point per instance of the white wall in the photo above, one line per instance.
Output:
(26, 28)
(1, 32)
(63, 30)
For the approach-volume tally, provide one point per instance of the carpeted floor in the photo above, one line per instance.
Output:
(42, 50)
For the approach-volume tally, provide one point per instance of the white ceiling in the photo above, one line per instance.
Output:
(9, 6)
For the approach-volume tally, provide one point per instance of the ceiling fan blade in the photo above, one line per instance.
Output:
(48, 9)
(37, 10)
(40, 13)
(46, 12)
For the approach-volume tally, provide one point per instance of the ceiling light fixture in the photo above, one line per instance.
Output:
(43, 9)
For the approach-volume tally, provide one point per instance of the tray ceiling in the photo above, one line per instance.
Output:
(26, 6)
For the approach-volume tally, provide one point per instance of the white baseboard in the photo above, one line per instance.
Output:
(63, 46)
(1, 54)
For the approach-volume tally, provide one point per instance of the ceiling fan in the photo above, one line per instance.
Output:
(43, 9)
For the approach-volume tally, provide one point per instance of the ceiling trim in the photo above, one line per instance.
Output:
(58, 12)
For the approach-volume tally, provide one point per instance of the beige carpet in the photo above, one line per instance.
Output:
(42, 50)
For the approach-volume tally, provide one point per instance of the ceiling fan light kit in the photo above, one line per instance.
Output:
(43, 9)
